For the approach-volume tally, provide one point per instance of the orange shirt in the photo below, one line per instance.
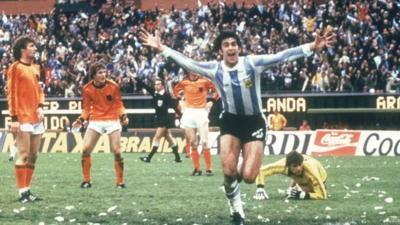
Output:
(195, 92)
(362, 13)
(102, 103)
(24, 92)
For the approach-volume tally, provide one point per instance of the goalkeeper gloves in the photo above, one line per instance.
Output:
(260, 194)
(298, 195)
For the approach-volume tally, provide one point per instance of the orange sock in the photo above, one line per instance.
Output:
(86, 166)
(187, 148)
(195, 159)
(29, 174)
(20, 175)
(207, 158)
(119, 171)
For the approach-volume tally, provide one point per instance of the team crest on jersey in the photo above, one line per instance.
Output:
(248, 83)
(159, 103)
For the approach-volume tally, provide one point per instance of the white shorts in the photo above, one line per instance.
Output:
(104, 127)
(34, 128)
(194, 118)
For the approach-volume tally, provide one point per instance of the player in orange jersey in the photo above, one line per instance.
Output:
(195, 116)
(103, 112)
(25, 101)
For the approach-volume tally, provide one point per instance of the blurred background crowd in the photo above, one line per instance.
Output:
(78, 33)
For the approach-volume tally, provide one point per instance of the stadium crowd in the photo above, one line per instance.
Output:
(364, 59)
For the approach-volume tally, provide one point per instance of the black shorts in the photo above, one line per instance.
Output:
(164, 122)
(246, 128)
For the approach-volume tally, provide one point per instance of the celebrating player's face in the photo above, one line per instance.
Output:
(100, 77)
(230, 51)
(296, 169)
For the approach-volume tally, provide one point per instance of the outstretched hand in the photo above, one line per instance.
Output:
(153, 41)
(328, 39)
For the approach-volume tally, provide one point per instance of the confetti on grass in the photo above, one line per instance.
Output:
(328, 217)
(389, 200)
(370, 178)
(112, 208)
(69, 207)
(59, 218)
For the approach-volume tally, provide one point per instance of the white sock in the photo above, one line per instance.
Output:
(22, 190)
(13, 151)
(234, 200)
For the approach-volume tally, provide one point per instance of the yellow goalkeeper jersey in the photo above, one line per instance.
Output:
(314, 174)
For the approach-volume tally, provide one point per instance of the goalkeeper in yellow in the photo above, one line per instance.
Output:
(308, 177)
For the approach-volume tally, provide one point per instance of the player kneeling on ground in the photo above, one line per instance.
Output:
(103, 112)
(308, 177)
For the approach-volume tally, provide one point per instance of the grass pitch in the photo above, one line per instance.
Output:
(362, 190)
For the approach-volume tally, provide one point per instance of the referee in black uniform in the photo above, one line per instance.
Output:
(162, 100)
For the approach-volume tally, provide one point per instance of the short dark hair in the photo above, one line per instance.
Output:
(95, 68)
(224, 35)
(21, 43)
(294, 158)
(161, 80)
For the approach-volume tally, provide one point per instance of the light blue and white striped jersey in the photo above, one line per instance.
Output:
(239, 86)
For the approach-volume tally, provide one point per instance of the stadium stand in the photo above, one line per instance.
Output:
(365, 58)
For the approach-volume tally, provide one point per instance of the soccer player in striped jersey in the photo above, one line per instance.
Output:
(103, 112)
(308, 177)
(242, 122)
(25, 101)
(194, 119)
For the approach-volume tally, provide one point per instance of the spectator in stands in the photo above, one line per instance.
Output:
(367, 41)
(277, 121)
(304, 126)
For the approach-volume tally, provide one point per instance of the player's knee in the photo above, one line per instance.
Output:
(249, 177)
(193, 145)
(32, 158)
(86, 152)
(22, 157)
(230, 171)
(117, 156)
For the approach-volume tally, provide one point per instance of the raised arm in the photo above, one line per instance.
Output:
(262, 62)
(203, 68)
(145, 86)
